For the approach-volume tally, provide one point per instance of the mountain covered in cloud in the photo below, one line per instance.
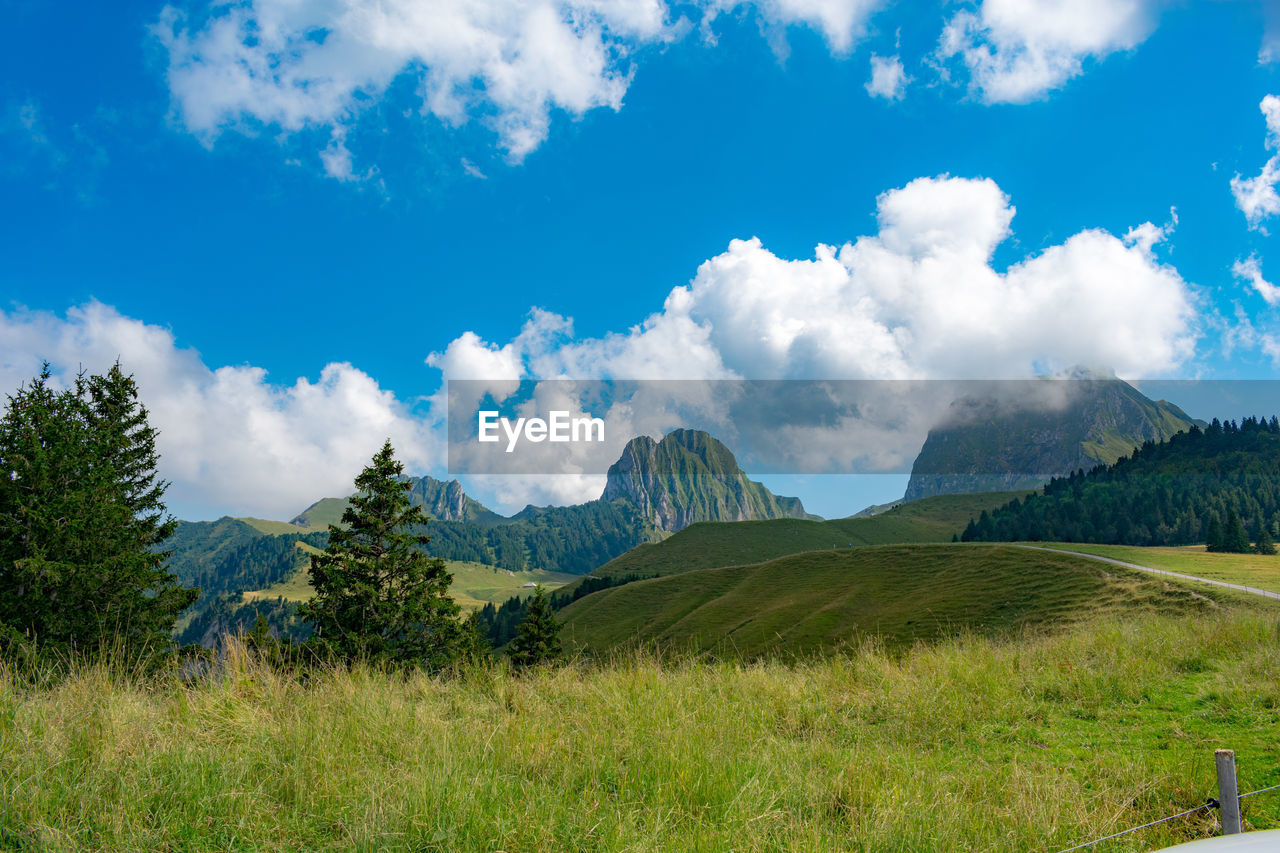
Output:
(989, 445)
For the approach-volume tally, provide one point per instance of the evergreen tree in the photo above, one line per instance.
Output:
(378, 595)
(475, 643)
(537, 639)
(1265, 544)
(81, 516)
(1214, 537)
(1234, 538)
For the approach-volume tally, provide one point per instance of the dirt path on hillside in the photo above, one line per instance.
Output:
(1252, 590)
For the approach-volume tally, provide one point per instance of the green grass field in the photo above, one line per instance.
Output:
(819, 600)
(474, 584)
(710, 545)
(1033, 743)
(1248, 569)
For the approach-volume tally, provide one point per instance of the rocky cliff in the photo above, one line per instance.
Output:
(688, 477)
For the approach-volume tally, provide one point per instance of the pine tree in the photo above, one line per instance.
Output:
(1214, 535)
(379, 597)
(1234, 538)
(537, 639)
(1264, 544)
(475, 644)
(81, 519)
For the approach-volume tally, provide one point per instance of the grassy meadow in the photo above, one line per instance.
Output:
(709, 545)
(818, 600)
(1026, 743)
(474, 584)
(1254, 570)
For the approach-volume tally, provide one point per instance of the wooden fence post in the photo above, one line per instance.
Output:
(1228, 792)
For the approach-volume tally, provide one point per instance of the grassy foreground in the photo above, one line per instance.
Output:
(1033, 743)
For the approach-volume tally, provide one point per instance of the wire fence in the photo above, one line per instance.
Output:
(1211, 803)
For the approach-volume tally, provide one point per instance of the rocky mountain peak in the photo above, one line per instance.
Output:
(690, 476)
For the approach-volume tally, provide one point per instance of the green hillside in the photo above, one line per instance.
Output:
(280, 528)
(322, 513)
(1168, 493)
(473, 585)
(821, 600)
(713, 544)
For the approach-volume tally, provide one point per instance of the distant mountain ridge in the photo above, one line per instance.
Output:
(655, 489)
(985, 446)
(687, 477)
(440, 499)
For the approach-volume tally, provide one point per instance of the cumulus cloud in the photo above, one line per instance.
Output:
(888, 78)
(1249, 271)
(230, 440)
(841, 22)
(294, 65)
(1019, 50)
(1256, 197)
(311, 63)
(918, 299)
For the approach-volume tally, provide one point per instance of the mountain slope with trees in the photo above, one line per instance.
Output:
(687, 477)
(1219, 485)
(987, 444)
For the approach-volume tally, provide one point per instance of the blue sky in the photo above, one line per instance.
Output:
(276, 213)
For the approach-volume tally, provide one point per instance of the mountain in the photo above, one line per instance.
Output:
(689, 477)
(442, 501)
(655, 489)
(986, 445)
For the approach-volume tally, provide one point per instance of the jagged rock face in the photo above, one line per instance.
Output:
(985, 447)
(689, 477)
(445, 501)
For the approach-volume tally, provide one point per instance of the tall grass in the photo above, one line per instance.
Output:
(1021, 744)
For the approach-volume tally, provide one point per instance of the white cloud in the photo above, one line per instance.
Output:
(1019, 50)
(229, 439)
(888, 78)
(918, 299)
(1257, 197)
(294, 65)
(512, 492)
(1270, 345)
(337, 158)
(841, 22)
(1249, 270)
(1270, 50)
